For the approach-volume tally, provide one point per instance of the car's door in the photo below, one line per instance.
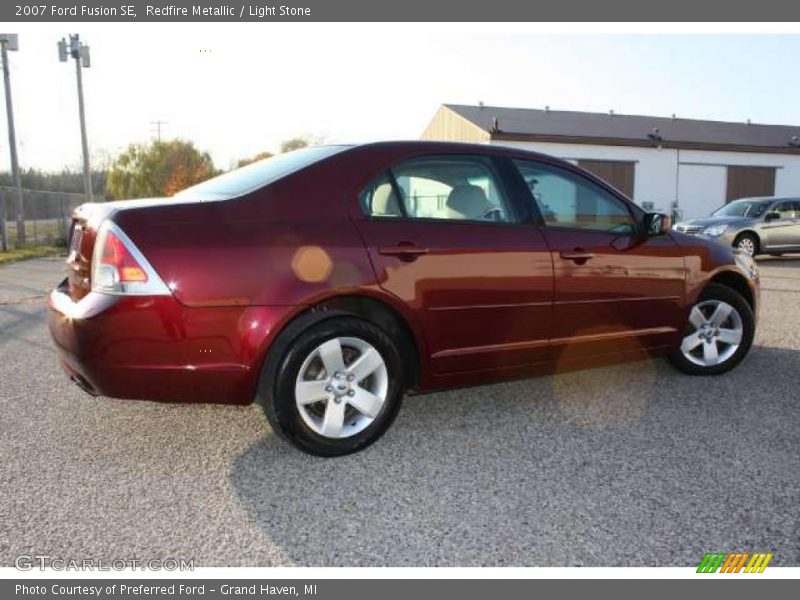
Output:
(615, 289)
(782, 232)
(445, 239)
(794, 239)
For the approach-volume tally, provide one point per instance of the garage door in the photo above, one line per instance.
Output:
(748, 182)
(618, 173)
(701, 189)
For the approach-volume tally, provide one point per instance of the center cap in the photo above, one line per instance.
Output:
(339, 382)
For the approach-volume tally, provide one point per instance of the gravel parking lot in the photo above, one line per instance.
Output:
(633, 465)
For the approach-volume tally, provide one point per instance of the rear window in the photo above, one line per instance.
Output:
(259, 174)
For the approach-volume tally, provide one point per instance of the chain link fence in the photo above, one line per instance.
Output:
(47, 215)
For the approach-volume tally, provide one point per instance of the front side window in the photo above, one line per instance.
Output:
(785, 209)
(566, 199)
(454, 188)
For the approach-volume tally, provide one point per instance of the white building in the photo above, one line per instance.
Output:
(662, 163)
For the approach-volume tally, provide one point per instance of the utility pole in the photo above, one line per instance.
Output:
(157, 125)
(3, 234)
(9, 41)
(80, 52)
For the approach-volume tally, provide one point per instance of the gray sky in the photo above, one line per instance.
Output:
(238, 89)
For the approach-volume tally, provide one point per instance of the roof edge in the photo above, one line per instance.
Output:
(644, 143)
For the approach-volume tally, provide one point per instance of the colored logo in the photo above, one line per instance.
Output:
(735, 562)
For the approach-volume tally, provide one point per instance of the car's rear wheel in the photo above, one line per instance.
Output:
(747, 243)
(337, 388)
(718, 334)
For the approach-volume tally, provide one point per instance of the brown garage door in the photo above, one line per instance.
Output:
(748, 182)
(617, 173)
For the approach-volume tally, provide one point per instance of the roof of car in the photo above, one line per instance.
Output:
(460, 147)
(767, 199)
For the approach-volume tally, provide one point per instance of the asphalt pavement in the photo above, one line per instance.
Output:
(635, 465)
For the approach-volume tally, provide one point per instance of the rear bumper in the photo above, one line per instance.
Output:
(155, 348)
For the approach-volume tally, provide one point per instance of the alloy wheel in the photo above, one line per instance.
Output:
(747, 245)
(341, 387)
(716, 333)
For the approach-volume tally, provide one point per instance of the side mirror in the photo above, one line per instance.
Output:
(656, 224)
(772, 215)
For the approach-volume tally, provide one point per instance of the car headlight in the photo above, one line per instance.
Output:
(715, 230)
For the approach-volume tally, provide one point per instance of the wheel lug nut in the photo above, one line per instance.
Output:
(351, 393)
(328, 388)
(350, 377)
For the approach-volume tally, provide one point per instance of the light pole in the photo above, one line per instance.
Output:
(80, 52)
(9, 41)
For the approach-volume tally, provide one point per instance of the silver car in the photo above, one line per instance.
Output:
(754, 225)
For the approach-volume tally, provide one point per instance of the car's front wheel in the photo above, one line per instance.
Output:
(337, 388)
(747, 243)
(718, 334)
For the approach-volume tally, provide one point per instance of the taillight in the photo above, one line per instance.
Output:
(119, 268)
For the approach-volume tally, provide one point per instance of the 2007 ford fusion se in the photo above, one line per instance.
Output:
(326, 282)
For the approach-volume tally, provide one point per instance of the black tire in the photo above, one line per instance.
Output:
(715, 291)
(752, 238)
(280, 372)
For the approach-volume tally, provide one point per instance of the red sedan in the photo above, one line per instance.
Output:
(326, 282)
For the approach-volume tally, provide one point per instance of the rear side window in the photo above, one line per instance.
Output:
(565, 199)
(453, 188)
(259, 174)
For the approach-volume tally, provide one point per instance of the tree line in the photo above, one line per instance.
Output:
(64, 181)
(159, 168)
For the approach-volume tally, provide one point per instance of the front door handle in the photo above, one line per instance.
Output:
(578, 255)
(403, 251)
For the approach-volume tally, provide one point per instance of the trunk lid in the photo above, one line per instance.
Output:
(86, 220)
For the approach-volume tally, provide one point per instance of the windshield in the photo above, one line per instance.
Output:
(743, 208)
(259, 174)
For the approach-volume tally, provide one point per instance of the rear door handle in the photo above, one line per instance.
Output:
(578, 255)
(407, 252)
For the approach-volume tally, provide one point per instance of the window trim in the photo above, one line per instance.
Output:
(634, 211)
(496, 170)
(398, 192)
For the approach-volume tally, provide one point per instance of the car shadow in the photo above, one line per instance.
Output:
(785, 261)
(627, 465)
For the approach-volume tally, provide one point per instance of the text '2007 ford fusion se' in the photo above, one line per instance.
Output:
(326, 282)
